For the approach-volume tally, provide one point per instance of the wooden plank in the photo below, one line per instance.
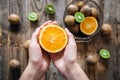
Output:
(3, 39)
(15, 38)
(11, 41)
(37, 6)
(114, 21)
(59, 10)
(109, 10)
(12, 45)
(52, 73)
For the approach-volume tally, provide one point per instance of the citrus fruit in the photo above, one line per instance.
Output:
(32, 16)
(89, 25)
(79, 17)
(50, 9)
(53, 38)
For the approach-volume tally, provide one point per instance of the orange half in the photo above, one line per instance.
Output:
(53, 38)
(89, 25)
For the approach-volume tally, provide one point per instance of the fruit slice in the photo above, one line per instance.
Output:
(53, 38)
(79, 17)
(104, 53)
(50, 9)
(89, 25)
(32, 16)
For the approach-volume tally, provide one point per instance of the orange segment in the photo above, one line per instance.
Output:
(89, 25)
(53, 38)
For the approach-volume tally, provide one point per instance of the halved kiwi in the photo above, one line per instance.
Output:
(105, 54)
(50, 9)
(79, 17)
(32, 16)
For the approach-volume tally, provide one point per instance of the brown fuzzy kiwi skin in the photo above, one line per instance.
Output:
(72, 9)
(86, 10)
(14, 19)
(95, 12)
(70, 20)
(106, 30)
(80, 4)
(14, 63)
(75, 28)
(92, 58)
(26, 44)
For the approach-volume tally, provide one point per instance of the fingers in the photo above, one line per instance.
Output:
(35, 34)
(71, 37)
(55, 22)
(48, 22)
(44, 24)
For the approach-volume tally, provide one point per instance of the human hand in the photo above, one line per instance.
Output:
(65, 61)
(38, 58)
(66, 57)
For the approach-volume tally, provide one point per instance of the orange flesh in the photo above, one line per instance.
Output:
(53, 38)
(89, 25)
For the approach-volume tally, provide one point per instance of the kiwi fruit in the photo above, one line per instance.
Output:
(70, 20)
(26, 44)
(94, 12)
(80, 4)
(14, 19)
(74, 29)
(79, 17)
(106, 30)
(92, 58)
(86, 10)
(72, 9)
(14, 63)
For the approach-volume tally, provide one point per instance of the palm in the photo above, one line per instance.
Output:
(36, 55)
(67, 56)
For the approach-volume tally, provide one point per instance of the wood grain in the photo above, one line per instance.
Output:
(14, 36)
(53, 73)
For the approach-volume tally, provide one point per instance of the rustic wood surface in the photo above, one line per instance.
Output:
(12, 39)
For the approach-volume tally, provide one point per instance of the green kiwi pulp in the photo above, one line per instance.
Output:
(79, 17)
(50, 9)
(104, 53)
(32, 16)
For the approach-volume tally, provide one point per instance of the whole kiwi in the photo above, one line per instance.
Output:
(80, 4)
(26, 44)
(70, 20)
(92, 58)
(94, 12)
(72, 9)
(14, 19)
(74, 29)
(14, 63)
(86, 10)
(106, 30)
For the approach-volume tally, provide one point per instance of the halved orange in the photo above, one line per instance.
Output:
(89, 25)
(53, 38)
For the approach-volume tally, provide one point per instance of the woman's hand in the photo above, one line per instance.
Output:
(65, 61)
(38, 58)
(67, 57)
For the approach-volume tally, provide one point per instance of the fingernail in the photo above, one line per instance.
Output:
(50, 21)
(55, 22)
(66, 29)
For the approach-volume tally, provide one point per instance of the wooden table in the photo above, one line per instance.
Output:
(11, 40)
